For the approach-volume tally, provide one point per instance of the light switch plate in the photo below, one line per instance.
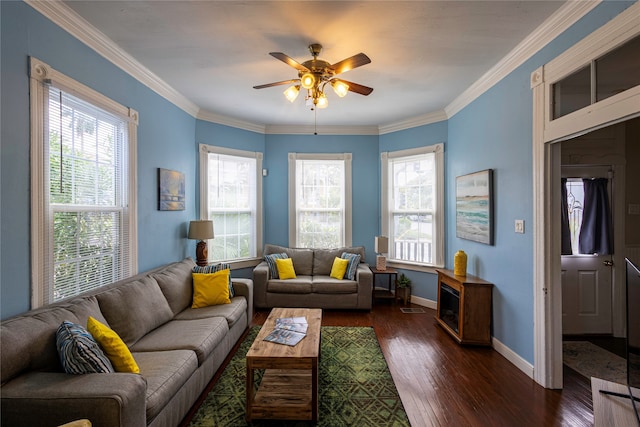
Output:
(520, 226)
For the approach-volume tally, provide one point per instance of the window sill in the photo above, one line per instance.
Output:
(241, 263)
(413, 266)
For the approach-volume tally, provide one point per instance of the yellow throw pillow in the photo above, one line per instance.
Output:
(285, 268)
(113, 346)
(210, 289)
(339, 268)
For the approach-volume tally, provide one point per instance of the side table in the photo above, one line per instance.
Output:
(380, 292)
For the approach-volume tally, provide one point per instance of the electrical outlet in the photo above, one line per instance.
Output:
(520, 226)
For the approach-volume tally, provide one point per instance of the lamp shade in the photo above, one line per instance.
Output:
(382, 244)
(201, 230)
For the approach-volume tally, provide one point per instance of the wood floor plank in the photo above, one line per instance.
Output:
(444, 384)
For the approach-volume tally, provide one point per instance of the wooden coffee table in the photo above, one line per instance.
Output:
(289, 386)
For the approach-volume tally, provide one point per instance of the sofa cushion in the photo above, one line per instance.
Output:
(133, 309)
(232, 312)
(323, 260)
(176, 284)
(299, 285)
(329, 285)
(213, 268)
(199, 335)
(29, 342)
(85, 307)
(302, 258)
(113, 346)
(165, 372)
(354, 261)
(79, 352)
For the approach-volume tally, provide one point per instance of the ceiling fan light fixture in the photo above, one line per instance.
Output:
(292, 93)
(307, 80)
(340, 88)
(322, 101)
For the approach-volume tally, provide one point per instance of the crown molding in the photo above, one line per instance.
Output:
(552, 27)
(424, 119)
(67, 19)
(230, 121)
(321, 130)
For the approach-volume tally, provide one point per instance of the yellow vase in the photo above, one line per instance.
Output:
(460, 264)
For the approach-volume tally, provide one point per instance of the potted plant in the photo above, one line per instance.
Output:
(403, 288)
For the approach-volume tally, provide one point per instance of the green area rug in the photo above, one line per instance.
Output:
(356, 388)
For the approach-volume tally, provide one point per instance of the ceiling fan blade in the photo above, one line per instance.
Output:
(357, 88)
(289, 61)
(350, 63)
(284, 82)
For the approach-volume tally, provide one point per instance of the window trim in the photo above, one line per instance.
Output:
(205, 149)
(348, 192)
(41, 75)
(439, 215)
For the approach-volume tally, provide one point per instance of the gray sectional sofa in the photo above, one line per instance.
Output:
(177, 348)
(313, 287)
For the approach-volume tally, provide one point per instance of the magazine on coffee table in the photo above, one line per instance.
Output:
(288, 330)
(283, 336)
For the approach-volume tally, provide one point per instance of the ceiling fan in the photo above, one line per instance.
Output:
(314, 74)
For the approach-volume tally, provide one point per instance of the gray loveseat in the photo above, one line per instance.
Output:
(178, 350)
(313, 287)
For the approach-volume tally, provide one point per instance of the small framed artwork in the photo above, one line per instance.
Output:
(170, 190)
(474, 206)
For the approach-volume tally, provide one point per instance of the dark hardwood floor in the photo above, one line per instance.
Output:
(444, 384)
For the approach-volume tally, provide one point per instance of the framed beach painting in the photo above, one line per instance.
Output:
(170, 190)
(474, 206)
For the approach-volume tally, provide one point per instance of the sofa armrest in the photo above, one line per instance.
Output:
(51, 398)
(364, 277)
(260, 280)
(244, 287)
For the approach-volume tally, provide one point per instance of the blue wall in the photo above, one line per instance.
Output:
(165, 139)
(494, 131)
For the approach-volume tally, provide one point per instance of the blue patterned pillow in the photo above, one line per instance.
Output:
(208, 269)
(271, 261)
(354, 260)
(79, 352)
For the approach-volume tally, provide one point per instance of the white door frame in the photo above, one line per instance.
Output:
(546, 170)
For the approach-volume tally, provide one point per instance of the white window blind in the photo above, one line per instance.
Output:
(88, 215)
(83, 187)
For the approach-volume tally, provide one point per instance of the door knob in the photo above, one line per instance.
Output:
(608, 263)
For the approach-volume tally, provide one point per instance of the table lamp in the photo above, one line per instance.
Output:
(381, 247)
(201, 230)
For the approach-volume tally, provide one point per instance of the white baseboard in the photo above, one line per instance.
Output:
(497, 345)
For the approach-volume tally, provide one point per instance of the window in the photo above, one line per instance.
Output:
(413, 205)
(319, 200)
(83, 187)
(231, 196)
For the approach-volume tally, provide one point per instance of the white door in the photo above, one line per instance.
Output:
(586, 279)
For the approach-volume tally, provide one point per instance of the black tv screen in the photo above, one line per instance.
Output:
(633, 324)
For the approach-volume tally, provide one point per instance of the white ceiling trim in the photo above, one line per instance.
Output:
(230, 121)
(557, 23)
(74, 24)
(67, 19)
(424, 119)
(321, 130)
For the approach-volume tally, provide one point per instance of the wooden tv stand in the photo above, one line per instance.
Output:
(464, 307)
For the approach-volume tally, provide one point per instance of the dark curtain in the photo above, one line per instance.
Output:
(566, 232)
(595, 233)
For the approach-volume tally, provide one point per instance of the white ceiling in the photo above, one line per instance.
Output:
(424, 54)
